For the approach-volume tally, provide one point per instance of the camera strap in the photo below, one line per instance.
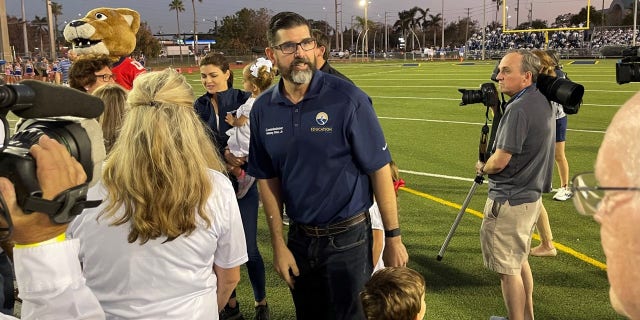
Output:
(483, 156)
(64, 207)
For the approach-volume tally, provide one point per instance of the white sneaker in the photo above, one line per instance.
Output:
(563, 194)
(285, 219)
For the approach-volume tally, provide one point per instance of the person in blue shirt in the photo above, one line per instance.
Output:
(212, 107)
(63, 67)
(317, 148)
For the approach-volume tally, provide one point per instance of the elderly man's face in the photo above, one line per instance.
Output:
(511, 79)
(618, 165)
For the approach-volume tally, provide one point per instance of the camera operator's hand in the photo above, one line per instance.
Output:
(480, 168)
(57, 171)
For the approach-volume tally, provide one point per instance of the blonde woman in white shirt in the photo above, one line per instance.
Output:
(167, 241)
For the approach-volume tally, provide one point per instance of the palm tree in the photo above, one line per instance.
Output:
(56, 11)
(435, 21)
(415, 14)
(195, 44)
(423, 17)
(404, 22)
(41, 25)
(498, 4)
(178, 6)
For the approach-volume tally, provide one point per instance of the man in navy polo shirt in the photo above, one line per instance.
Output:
(317, 147)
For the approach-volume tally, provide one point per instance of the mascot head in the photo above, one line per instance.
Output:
(110, 31)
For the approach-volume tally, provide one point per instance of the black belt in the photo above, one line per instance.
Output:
(333, 229)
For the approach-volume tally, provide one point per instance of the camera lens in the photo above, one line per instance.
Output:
(69, 134)
(470, 96)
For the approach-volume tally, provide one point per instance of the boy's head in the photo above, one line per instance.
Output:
(394, 293)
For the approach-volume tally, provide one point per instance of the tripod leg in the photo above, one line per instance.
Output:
(465, 204)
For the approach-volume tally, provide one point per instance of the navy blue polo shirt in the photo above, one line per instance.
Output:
(321, 148)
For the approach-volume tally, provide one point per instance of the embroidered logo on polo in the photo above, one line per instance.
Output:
(321, 119)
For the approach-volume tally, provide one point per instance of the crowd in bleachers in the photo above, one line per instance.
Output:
(565, 42)
(498, 40)
(613, 37)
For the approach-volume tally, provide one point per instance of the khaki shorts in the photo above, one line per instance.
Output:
(505, 235)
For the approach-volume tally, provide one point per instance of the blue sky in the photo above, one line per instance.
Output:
(157, 14)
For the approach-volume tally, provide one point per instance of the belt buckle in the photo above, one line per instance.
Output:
(312, 231)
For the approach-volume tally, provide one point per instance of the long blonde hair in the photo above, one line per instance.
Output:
(115, 100)
(157, 169)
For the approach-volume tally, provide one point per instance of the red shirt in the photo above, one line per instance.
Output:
(126, 70)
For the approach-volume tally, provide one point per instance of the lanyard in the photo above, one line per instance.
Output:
(517, 96)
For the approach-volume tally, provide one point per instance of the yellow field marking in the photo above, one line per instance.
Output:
(559, 246)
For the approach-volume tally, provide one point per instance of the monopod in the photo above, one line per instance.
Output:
(483, 156)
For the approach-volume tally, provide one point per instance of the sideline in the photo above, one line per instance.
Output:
(559, 246)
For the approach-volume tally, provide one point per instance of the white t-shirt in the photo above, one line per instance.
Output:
(376, 224)
(160, 280)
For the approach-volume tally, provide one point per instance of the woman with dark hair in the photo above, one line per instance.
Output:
(90, 72)
(220, 99)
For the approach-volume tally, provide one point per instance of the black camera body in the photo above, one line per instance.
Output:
(17, 164)
(628, 68)
(487, 95)
(65, 115)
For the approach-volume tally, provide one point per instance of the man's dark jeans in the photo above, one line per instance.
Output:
(333, 271)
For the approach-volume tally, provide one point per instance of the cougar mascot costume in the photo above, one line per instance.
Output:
(110, 31)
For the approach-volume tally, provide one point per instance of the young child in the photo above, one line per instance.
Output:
(8, 72)
(394, 293)
(17, 72)
(29, 72)
(256, 77)
(376, 221)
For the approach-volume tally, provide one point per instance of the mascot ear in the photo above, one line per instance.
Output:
(132, 17)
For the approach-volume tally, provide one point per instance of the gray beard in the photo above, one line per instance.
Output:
(301, 77)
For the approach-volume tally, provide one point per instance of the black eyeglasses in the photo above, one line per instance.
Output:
(106, 77)
(291, 47)
(588, 195)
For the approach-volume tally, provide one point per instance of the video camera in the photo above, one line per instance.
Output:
(64, 114)
(628, 68)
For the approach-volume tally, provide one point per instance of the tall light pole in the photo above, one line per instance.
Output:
(24, 30)
(52, 36)
(365, 37)
(386, 34)
(484, 25)
(635, 20)
(442, 25)
(603, 13)
(338, 26)
(352, 47)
